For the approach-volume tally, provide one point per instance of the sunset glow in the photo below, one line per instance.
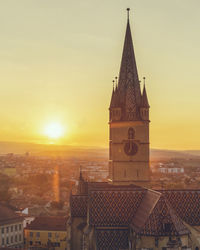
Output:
(54, 130)
(53, 65)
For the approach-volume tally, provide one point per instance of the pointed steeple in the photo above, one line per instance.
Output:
(113, 96)
(128, 70)
(80, 176)
(82, 184)
(144, 101)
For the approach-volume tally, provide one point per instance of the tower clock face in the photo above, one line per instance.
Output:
(130, 148)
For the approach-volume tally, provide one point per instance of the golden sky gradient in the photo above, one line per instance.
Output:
(58, 59)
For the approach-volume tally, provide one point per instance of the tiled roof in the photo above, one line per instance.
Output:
(113, 207)
(112, 239)
(161, 221)
(128, 95)
(128, 70)
(186, 203)
(78, 205)
(51, 223)
(8, 215)
(146, 207)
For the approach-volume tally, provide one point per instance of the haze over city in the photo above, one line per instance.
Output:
(99, 128)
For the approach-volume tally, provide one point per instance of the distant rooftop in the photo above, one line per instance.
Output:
(8, 215)
(51, 223)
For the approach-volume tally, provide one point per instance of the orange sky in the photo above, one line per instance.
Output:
(58, 59)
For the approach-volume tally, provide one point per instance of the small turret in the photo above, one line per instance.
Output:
(115, 109)
(82, 184)
(144, 109)
(112, 97)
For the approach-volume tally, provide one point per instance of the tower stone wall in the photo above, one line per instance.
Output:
(129, 123)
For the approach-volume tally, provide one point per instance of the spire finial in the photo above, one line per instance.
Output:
(113, 81)
(144, 78)
(81, 176)
(128, 9)
(116, 80)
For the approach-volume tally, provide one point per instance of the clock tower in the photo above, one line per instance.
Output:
(129, 123)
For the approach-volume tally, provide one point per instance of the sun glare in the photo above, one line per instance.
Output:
(54, 130)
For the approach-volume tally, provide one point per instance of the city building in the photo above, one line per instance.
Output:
(166, 170)
(46, 233)
(124, 213)
(11, 228)
(9, 171)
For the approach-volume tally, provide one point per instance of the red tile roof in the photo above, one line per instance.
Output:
(78, 205)
(51, 223)
(157, 218)
(186, 203)
(8, 215)
(113, 207)
(112, 238)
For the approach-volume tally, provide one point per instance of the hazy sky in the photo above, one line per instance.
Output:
(58, 59)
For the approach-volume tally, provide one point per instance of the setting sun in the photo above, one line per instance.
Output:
(54, 130)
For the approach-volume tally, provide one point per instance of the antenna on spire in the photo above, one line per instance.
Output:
(128, 9)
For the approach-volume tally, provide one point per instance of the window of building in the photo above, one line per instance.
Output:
(3, 241)
(15, 227)
(15, 238)
(38, 234)
(31, 243)
(11, 228)
(20, 237)
(156, 242)
(7, 240)
(49, 235)
(20, 227)
(11, 239)
(2, 230)
(31, 234)
(7, 229)
(56, 244)
(131, 133)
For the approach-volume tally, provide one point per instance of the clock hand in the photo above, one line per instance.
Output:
(130, 147)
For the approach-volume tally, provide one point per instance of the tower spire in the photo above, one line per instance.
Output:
(80, 174)
(128, 84)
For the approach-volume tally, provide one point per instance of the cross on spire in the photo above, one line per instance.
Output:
(128, 9)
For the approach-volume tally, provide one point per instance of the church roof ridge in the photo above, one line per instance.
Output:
(153, 222)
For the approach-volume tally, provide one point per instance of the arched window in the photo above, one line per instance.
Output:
(131, 133)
